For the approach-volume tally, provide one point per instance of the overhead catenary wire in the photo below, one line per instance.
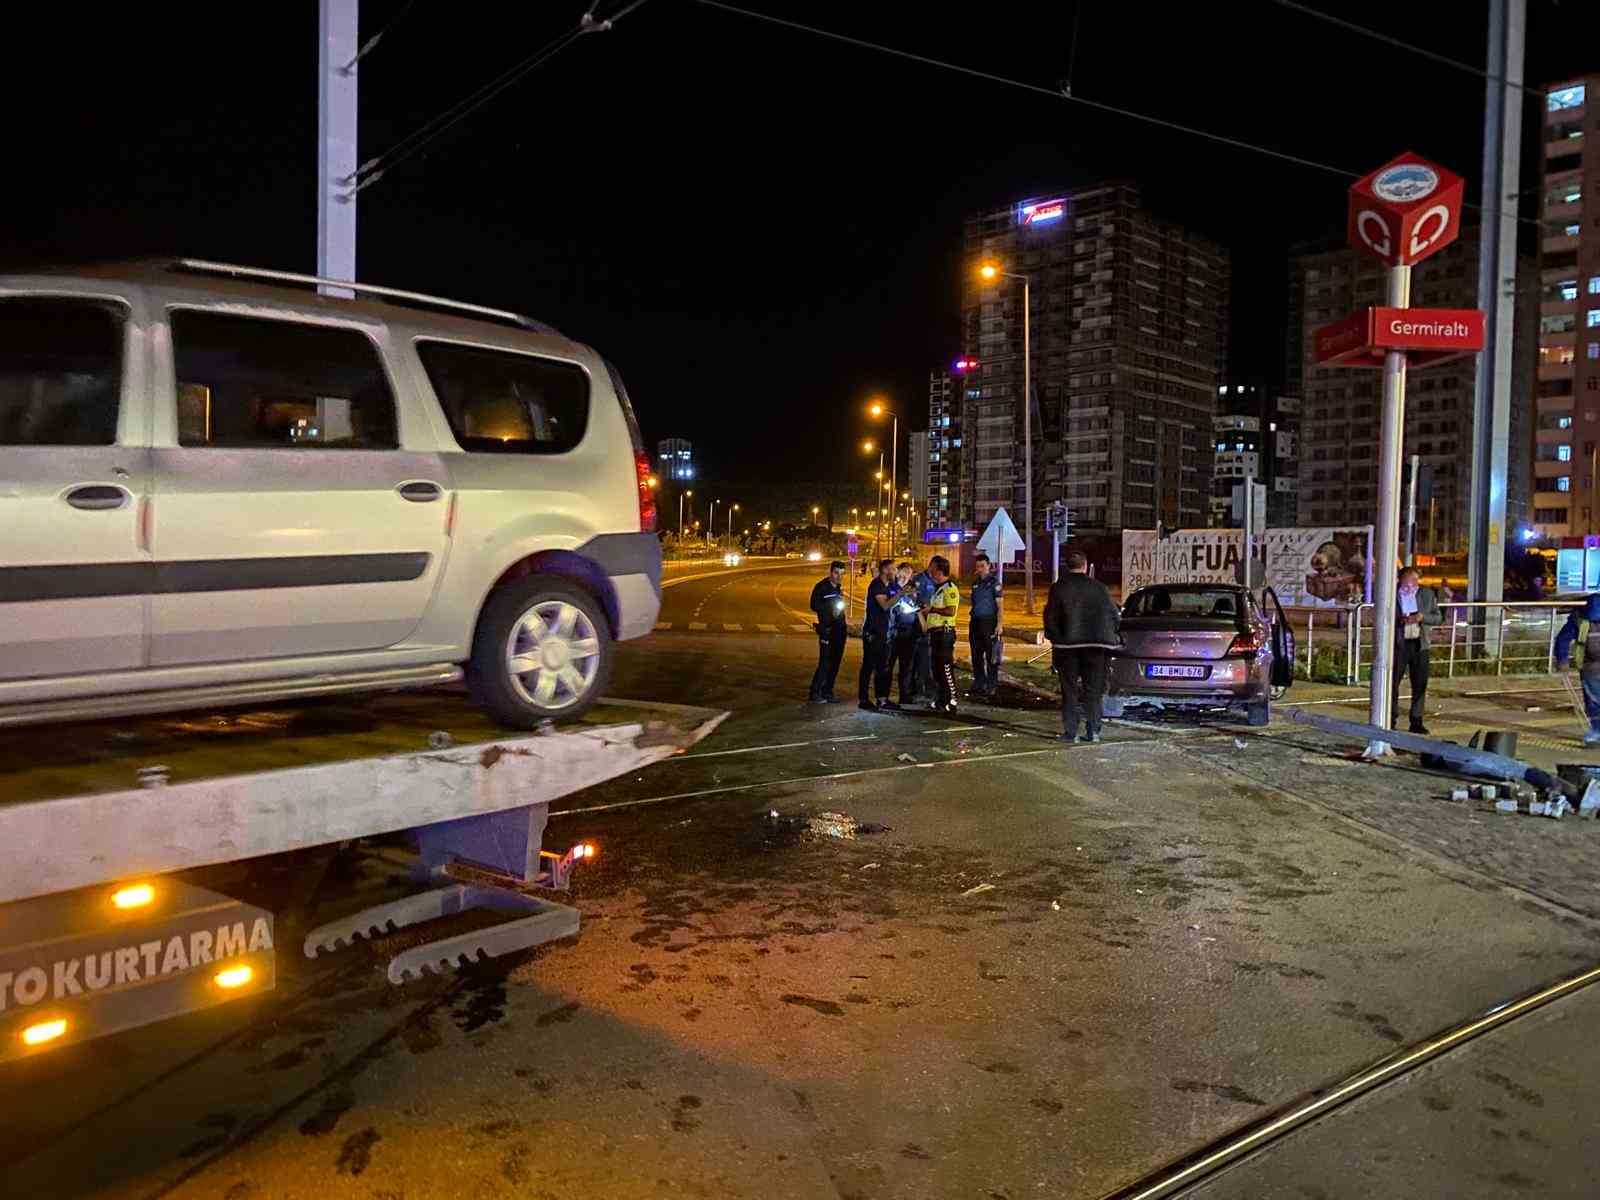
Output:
(1068, 97)
(369, 172)
(1037, 89)
(1409, 47)
(368, 45)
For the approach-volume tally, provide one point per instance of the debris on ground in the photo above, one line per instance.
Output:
(982, 887)
(832, 824)
(906, 758)
(1055, 906)
(870, 866)
(1238, 743)
(439, 739)
(1555, 808)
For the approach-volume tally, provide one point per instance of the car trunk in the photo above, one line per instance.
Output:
(1189, 638)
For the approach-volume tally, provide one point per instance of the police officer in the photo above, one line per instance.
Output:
(905, 621)
(921, 662)
(940, 614)
(984, 627)
(876, 663)
(828, 603)
(1571, 632)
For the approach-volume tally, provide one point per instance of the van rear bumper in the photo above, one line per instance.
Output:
(632, 562)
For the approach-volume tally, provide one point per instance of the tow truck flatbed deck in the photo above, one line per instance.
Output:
(93, 802)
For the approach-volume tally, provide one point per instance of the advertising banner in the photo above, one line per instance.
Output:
(1307, 568)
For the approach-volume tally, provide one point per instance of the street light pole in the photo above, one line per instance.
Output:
(732, 508)
(894, 486)
(711, 523)
(682, 496)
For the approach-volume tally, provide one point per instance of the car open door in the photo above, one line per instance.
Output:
(1282, 641)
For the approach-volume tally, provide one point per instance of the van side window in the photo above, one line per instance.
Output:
(250, 383)
(506, 403)
(60, 372)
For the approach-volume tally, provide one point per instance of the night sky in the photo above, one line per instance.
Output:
(760, 227)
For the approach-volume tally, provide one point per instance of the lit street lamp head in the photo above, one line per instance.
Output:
(988, 270)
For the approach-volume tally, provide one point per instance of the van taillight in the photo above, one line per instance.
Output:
(1245, 645)
(647, 496)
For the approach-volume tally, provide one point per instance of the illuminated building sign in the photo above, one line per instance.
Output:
(1041, 212)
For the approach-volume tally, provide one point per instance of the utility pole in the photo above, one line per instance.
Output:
(1411, 512)
(337, 46)
(1385, 549)
(1027, 434)
(1497, 271)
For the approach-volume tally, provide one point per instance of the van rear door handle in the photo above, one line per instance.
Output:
(420, 491)
(97, 496)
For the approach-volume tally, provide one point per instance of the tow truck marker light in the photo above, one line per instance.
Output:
(234, 977)
(585, 850)
(44, 1031)
(134, 896)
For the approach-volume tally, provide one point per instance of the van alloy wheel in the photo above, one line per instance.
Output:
(553, 655)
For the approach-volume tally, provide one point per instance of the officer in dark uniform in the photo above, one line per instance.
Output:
(905, 624)
(828, 603)
(876, 662)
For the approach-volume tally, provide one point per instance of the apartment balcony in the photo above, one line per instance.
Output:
(1556, 245)
(1556, 370)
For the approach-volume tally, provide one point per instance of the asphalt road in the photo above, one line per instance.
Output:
(1051, 970)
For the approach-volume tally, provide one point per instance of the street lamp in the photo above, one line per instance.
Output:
(682, 496)
(991, 272)
(879, 409)
(711, 523)
(731, 511)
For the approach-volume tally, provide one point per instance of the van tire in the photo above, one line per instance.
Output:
(585, 652)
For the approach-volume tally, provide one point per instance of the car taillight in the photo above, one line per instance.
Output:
(647, 497)
(1245, 645)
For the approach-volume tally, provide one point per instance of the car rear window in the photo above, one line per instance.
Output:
(60, 372)
(501, 402)
(1188, 602)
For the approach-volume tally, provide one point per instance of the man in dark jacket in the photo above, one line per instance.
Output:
(828, 603)
(1081, 622)
(1589, 676)
(1416, 612)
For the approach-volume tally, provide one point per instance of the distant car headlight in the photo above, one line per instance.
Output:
(814, 556)
(730, 560)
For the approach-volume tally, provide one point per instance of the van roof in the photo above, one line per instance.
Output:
(231, 279)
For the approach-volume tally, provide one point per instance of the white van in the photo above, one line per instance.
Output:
(221, 485)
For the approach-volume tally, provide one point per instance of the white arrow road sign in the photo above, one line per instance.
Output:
(1001, 541)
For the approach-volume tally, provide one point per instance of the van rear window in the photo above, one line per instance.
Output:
(499, 402)
(60, 372)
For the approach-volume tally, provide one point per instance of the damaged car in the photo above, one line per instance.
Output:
(1201, 646)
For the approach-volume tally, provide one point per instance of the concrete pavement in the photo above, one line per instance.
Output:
(1052, 970)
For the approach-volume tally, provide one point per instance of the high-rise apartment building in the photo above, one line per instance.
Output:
(676, 458)
(1256, 435)
(1129, 330)
(1340, 406)
(1567, 406)
(942, 499)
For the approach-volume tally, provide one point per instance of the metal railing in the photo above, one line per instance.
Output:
(1461, 646)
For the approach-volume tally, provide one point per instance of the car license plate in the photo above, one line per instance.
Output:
(1163, 671)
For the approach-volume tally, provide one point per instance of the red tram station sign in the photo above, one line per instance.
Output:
(1428, 335)
(1406, 210)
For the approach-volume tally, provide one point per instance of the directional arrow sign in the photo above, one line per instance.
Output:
(1001, 541)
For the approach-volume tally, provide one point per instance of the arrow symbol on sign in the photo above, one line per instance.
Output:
(1380, 246)
(1420, 243)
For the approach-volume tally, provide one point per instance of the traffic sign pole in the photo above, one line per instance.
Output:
(1386, 539)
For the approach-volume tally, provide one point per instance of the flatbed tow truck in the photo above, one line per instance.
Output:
(115, 836)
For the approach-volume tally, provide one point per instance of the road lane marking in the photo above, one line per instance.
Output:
(663, 624)
(697, 625)
(766, 628)
(801, 628)
(666, 583)
(767, 783)
(728, 627)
